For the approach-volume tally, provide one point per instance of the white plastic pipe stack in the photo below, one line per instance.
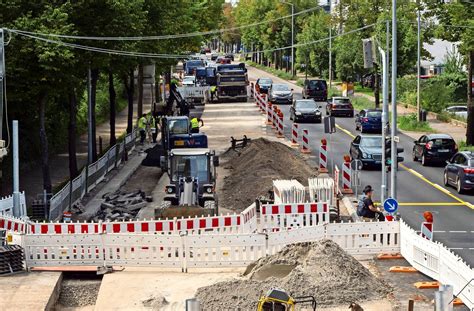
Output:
(289, 191)
(321, 190)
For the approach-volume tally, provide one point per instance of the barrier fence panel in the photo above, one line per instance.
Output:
(6, 204)
(365, 237)
(248, 219)
(60, 250)
(438, 262)
(288, 191)
(210, 224)
(322, 190)
(275, 217)
(223, 250)
(12, 223)
(143, 250)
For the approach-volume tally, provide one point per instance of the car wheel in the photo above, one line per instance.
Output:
(415, 158)
(458, 186)
(445, 179)
(424, 161)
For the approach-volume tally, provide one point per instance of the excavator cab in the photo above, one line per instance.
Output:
(278, 300)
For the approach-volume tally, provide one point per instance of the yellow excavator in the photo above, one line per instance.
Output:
(278, 300)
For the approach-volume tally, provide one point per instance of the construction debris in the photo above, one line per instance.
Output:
(11, 259)
(322, 269)
(121, 205)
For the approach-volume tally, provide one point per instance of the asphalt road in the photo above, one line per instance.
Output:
(419, 189)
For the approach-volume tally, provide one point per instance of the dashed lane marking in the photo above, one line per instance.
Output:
(420, 176)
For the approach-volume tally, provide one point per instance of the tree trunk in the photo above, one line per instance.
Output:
(72, 126)
(470, 103)
(129, 86)
(112, 108)
(140, 90)
(44, 144)
(376, 86)
(94, 78)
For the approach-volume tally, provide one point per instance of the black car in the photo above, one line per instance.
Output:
(368, 149)
(263, 84)
(433, 148)
(280, 94)
(305, 110)
(316, 89)
(229, 56)
(340, 106)
(459, 171)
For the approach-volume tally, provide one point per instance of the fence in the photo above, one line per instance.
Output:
(321, 189)
(437, 262)
(189, 251)
(289, 191)
(6, 204)
(90, 176)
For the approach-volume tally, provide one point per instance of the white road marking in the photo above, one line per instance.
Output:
(456, 248)
(457, 231)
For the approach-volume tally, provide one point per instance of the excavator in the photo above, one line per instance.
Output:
(278, 300)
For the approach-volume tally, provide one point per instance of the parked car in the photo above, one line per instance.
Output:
(189, 81)
(229, 56)
(369, 120)
(434, 148)
(368, 149)
(280, 94)
(459, 171)
(340, 106)
(222, 60)
(305, 110)
(263, 84)
(214, 56)
(316, 89)
(460, 111)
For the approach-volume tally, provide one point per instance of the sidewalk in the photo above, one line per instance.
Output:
(31, 178)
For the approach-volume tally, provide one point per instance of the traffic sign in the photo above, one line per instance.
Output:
(396, 139)
(390, 205)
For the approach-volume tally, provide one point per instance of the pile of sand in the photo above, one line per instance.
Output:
(252, 170)
(321, 269)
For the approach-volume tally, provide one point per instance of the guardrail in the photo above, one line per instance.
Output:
(437, 262)
(89, 177)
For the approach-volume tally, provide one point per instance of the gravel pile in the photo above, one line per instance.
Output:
(78, 293)
(253, 169)
(321, 269)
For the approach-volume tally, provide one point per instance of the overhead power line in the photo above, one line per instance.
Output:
(161, 37)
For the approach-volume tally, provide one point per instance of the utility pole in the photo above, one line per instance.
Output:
(90, 157)
(2, 78)
(385, 64)
(292, 36)
(16, 173)
(394, 154)
(418, 65)
(330, 55)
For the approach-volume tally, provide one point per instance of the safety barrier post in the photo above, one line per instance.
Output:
(323, 156)
(427, 226)
(269, 113)
(305, 142)
(252, 90)
(346, 176)
(274, 115)
(294, 135)
(280, 125)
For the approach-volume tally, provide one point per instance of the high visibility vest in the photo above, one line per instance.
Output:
(142, 123)
(213, 88)
(194, 123)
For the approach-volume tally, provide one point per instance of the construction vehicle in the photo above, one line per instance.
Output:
(232, 82)
(192, 175)
(278, 300)
(176, 133)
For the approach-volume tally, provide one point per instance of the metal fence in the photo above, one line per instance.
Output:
(6, 204)
(90, 176)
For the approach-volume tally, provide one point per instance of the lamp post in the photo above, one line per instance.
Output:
(292, 36)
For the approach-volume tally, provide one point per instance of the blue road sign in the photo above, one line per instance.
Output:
(390, 205)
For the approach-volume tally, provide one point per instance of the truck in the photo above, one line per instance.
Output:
(191, 65)
(232, 82)
(176, 133)
(192, 183)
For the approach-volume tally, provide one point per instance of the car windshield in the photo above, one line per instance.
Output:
(180, 126)
(306, 104)
(317, 85)
(188, 79)
(341, 101)
(265, 81)
(371, 142)
(190, 165)
(374, 114)
(280, 87)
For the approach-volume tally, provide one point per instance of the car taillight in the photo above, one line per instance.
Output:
(365, 119)
(469, 170)
(429, 145)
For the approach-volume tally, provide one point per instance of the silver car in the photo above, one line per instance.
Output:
(280, 94)
(459, 111)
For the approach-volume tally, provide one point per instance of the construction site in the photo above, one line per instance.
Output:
(240, 216)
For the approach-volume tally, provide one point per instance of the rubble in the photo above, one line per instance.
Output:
(122, 205)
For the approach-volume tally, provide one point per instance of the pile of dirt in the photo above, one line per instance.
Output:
(321, 269)
(252, 170)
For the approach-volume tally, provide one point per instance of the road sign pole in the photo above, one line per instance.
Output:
(394, 154)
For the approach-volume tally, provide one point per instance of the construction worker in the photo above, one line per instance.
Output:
(195, 124)
(213, 91)
(142, 124)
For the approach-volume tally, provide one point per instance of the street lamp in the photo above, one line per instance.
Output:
(292, 35)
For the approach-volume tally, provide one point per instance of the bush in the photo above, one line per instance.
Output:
(463, 147)
(410, 123)
(443, 116)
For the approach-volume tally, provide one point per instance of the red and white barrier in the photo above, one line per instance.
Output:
(346, 178)
(427, 230)
(323, 157)
(64, 228)
(294, 135)
(337, 173)
(199, 225)
(305, 142)
(269, 114)
(280, 126)
(11, 223)
(275, 217)
(248, 219)
(274, 116)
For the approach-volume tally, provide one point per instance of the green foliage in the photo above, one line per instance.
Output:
(360, 102)
(411, 124)
(443, 116)
(464, 147)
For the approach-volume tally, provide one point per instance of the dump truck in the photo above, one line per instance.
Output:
(176, 133)
(232, 82)
(192, 183)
